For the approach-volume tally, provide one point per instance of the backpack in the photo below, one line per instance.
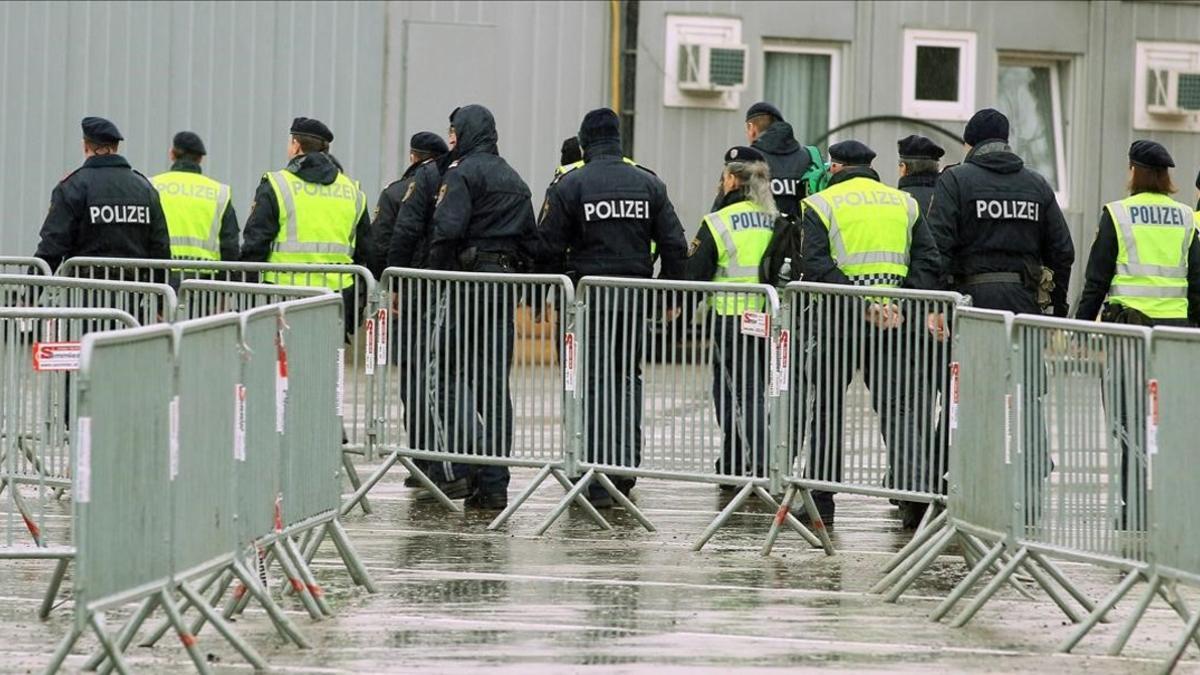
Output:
(780, 263)
(816, 176)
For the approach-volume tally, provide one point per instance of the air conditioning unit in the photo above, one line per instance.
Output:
(711, 68)
(1173, 92)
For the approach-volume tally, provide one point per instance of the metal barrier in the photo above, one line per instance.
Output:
(148, 303)
(199, 297)
(13, 264)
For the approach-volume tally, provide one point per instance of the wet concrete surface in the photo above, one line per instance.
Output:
(454, 597)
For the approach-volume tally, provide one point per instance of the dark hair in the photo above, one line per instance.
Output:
(919, 166)
(98, 148)
(311, 143)
(1147, 179)
(762, 122)
(422, 155)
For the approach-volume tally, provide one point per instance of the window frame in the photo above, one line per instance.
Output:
(1055, 64)
(946, 111)
(830, 49)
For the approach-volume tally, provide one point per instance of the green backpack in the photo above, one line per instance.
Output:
(816, 177)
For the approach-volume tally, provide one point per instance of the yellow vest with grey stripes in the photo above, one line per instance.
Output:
(316, 226)
(742, 232)
(870, 229)
(194, 205)
(1154, 233)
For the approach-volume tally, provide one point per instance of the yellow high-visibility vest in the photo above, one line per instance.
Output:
(1154, 233)
(194, 205)
(870, 229)
(317, 225)
(742, 232)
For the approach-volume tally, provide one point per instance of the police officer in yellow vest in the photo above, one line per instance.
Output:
(861, 232)
(308, 213)
(199, 210)
(1144, 266)
(727, 249)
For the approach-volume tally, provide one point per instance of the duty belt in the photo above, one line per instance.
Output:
(994, 278)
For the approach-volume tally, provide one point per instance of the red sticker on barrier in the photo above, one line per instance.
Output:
(381, 357)
(785, 359)
(369, 333)
(1152, 417)
(568, 360)
(279, 513)
(756, 324)
(954, 370)
(52, 356)
(281, 384)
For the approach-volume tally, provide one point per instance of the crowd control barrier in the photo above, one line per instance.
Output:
(148, 303)
(200, 297)
(12, 264)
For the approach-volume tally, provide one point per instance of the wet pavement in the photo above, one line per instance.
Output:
(454, 597)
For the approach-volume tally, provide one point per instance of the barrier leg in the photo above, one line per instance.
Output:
(985, 563)
(249, 653)
(625, 502)
(165, 625)
(306, 576)
(1170, 595)
(1035, 566)
(296, 583)
(988, 591)
(1118, 645)
(262, 562)
(817, 525)
(509, 510)
(914, 560)
(429, 485)
(125, 637)
(573, 491)
(312, 542)
(283, 624)
(224, 580)
(31, 525)
(580, 499)
(724, 515)
(188, 640)
(63, 649)
(1098, 613)
(114, 654)
(360, 493)
(1180, 647)
(972, 542)
(919, 537)
(358, 571)
(60, 571)
(781, 514)
(931, 555)
(356, 483)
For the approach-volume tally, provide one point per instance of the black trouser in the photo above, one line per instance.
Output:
(844, 347)
(613, 395)
(739, 379)
(411, 353)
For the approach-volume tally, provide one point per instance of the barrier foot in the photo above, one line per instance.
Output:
(125, 637)
(358, 571)
(821, 539)
(581, 500)
(988, 591)
(919, 537)
(913, 560)
(114, 654)
(1180, 647)
(780, 515)
(573, 491)
(60, 571)
(165, 625)
(63, 649)
(940, 544)
(297, 584)
(1170, 595)
(625, 502)
(1035, 566)
(188, 640)
(356, 483)
(509, 510)
(252, 587)
(249, 653)
(1101, 610)
(31, 526)
(429, 485)
(1118, 645)
(263, 560)
(985, 563)
(360, 493)
(972, 542)
(312, 541)
(724, 515)
(306, 577)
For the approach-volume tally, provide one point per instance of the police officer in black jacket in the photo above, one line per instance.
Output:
(767, 132)
(405, 208)
(919, 168)
(103, 208)
(600, 219)
(997, 224)
(482, 219)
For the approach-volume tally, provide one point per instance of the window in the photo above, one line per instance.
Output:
(1029, 92)
(802, 81)
(1165, 76)
(939, 74)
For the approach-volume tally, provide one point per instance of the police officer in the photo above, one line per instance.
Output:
(199, 210)
(919, 167)
(309, 212)
(104, 208)
(861, 232)
(997, 224)
(601, 219)
(728, 248)
(570, 153)
(767, 132)
(482, 218)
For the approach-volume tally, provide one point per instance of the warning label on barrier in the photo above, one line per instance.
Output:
(83, 460)
(756, 324)
(382, 348)
(954, 395)
(568, 360)
(773, 369)
(1008, 435)
(784, 362)
(56, 356)
(369, 335)
(1152, 417)
(173, 436)
(239, 422)
(338, 406)
(281, 387)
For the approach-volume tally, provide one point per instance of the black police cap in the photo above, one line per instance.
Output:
(919, 147)
(851, 153)
(570, 152)
(100, 130)
(763, 108)
(189, 142)
(427, 141)
(742, 153)
(307, 126)
(1150, 154)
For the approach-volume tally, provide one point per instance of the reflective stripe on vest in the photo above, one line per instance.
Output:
(316, 228)
(1154, 233)
(193, 205)
(871, 215)
(740, 248)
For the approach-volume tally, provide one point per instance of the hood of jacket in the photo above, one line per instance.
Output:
(995, 156)
(475, 131)
(778, 139)
(314, 167)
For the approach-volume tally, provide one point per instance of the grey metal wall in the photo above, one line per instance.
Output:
(1098, 39)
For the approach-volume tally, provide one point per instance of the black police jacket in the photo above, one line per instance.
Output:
(262, 225)
(788, 161)
(409, 246)
(482, 204)
(106, 209)
(601, 218)
(920, 186)
(991, 214)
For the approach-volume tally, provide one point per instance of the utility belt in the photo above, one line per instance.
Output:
(1114, 313)
(1031, 277)
(472, 259)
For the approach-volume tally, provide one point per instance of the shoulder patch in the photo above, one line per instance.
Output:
(694, 246)
(412, 185)
(441, 195)
(454, 164)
